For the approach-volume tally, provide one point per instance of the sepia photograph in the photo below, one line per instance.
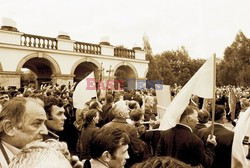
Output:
(124, 84)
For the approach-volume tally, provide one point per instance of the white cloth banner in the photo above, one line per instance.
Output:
(84, 91)
(163, 98)
(239, 151)
(201, 84)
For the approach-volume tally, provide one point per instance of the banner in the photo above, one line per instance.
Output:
(239, 151)
(201, 84)
(163, 99)
(84, 91)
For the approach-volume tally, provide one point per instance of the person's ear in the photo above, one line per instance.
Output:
(8, 127)
(106, 156)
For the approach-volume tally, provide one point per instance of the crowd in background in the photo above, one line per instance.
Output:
(120, 128)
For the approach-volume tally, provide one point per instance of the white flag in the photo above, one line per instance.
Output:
(84, 91)
(201, 84)
(239, 151)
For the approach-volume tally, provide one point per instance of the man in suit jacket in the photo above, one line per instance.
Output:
(181, 143)
(224, 138)
(121, 113)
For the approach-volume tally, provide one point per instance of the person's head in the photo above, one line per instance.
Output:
(42, 154)
(110, 146)
(95, 105)
(121, 110)
(132, 104)
(161, 162)
(22, 121)
(91, 117)
(136, 115)
(55, 113)
(244, 103)
(203, 116)
(189, 117)
(4, 97)
(220, 114)
(109, 99)
(150, 101)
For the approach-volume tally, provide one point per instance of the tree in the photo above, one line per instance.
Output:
(178, 61)
(153, 72)
(236, 62)
(120, 75)
(165, 70)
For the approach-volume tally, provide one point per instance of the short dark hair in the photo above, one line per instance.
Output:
(161, 161)
(188, 111)
(89, 116)
(108, 139)
(49, 101)
(219, 112)
(94, 105)
(136, 114)
(203, 116)
(109, 98)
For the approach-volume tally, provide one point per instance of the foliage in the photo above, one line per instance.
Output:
(153, 71)
(120, 75)
(177, 67)
(233, 69)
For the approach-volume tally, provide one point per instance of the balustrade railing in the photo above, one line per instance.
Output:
(123, 52)
(38, 41)
(87, 48)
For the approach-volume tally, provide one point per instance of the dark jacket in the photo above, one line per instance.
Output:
(223, 149)
(106, 109)
(86, 136)
(198, 127)
(180, 143)
(136, 146)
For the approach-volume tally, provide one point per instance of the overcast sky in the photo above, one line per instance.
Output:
(203, 27)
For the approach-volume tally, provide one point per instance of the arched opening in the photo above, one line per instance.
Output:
(84, 69)
(36, 71)
(126, 77)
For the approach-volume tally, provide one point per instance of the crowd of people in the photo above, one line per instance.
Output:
(41, 128)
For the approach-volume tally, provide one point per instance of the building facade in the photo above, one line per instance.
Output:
(62, 60)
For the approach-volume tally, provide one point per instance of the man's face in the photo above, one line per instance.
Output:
(4, 98)
(56, 123)
(120, 157)
(32, 126)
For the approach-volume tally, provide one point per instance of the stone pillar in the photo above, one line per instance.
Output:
(64, 42)
(9, 33)
(10, 79)
(106, 48)
(62, 79)
(139, 53)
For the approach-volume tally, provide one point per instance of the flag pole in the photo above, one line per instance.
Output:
(214, 98)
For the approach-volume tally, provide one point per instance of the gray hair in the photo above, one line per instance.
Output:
(40, 155)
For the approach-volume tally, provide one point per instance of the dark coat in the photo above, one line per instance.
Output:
(86, 136)
(198, 127)
(136, 146)
(180, 143)
(106, 110)
(223, 149)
